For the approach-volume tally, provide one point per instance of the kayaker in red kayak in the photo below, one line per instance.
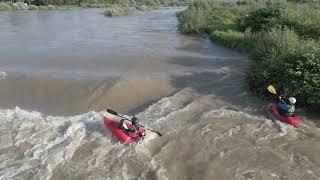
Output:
(284, 111)
(130, 126)
(286, 107)
(127, 130)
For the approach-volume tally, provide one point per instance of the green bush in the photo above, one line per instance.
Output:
(20, 6)
(51, 7)
(282, 39)
(117, 10)
(5, 6)
(8, 6)
(33, 7)
(302, 70)
(262, 20)
(304, 19)
(285, 60)
(142, 7)
(205, 17)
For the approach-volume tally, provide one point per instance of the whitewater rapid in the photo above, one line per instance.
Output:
(201, 139)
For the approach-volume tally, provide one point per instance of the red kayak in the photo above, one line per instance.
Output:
(293, 120)
(120, 134)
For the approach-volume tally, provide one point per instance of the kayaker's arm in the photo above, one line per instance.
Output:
(280, 98)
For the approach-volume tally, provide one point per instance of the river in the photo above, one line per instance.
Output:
(59, 70)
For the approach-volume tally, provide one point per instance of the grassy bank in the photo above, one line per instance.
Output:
(8, 6)
(119, 10)
(19, 6)
(127, 7)
(115, 7)
(282, 38)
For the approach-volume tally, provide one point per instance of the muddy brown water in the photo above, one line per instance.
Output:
(61, 69)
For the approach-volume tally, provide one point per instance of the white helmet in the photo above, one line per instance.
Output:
(292, 100)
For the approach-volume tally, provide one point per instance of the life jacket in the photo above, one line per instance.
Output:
(126, 126)
(286, 109)
(291, 109)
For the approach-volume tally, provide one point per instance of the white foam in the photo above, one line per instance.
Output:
(51, 140)
(3, 75)
(223, 112)
(166, 106)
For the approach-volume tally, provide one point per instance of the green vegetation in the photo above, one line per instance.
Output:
(127, 7)
(282, 38)
(232, 39)
(19, 6)
(118, 10)
(8, 6)
(5, 6)
(116, 7)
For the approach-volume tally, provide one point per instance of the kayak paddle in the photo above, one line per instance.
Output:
(272, 90)
(115, 113)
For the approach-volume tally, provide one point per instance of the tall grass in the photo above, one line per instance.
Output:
(232, 39)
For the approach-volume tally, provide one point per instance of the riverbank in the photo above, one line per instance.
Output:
(125, 8)
(114, 8)
(20, 6)
(282, 39)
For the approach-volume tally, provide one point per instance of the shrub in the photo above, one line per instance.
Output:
(205, 17)
(262, 20)
(302, 71)
(282, 39)
(286, 61)
(33, 7)
(51, 7)
(304, 19)
(20, 6)
(142, 8)
(5, 6)
(117, 10)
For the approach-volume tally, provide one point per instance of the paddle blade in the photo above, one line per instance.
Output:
(112, 112)
(159, 134)
(272, 90)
